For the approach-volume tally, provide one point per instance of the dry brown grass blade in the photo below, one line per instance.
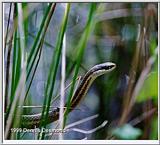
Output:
(132, 79)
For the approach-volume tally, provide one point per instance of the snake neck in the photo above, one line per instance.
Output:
(82, 89)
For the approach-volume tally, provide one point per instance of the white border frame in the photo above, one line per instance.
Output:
(71, 141)
(1, 79)
(81, 141)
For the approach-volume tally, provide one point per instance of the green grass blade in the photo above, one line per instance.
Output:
(53, 70)
(34, 50)
(81, 47)
(25, 16)
(40, 45)
(18, 64)
(13, 66)
(18, 98)
(14, 70)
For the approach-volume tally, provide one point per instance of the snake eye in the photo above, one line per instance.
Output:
(57, 109)
(110, 67)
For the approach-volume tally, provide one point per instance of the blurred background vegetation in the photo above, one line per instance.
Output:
(123, 33)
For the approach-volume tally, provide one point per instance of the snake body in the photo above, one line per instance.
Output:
(30, 121)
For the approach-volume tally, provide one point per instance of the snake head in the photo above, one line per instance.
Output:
(108, 66)
(103, 68)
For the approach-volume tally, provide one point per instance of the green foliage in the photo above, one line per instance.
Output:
(153, 45)
(127, 132)
(150, 88)
(154, 128)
